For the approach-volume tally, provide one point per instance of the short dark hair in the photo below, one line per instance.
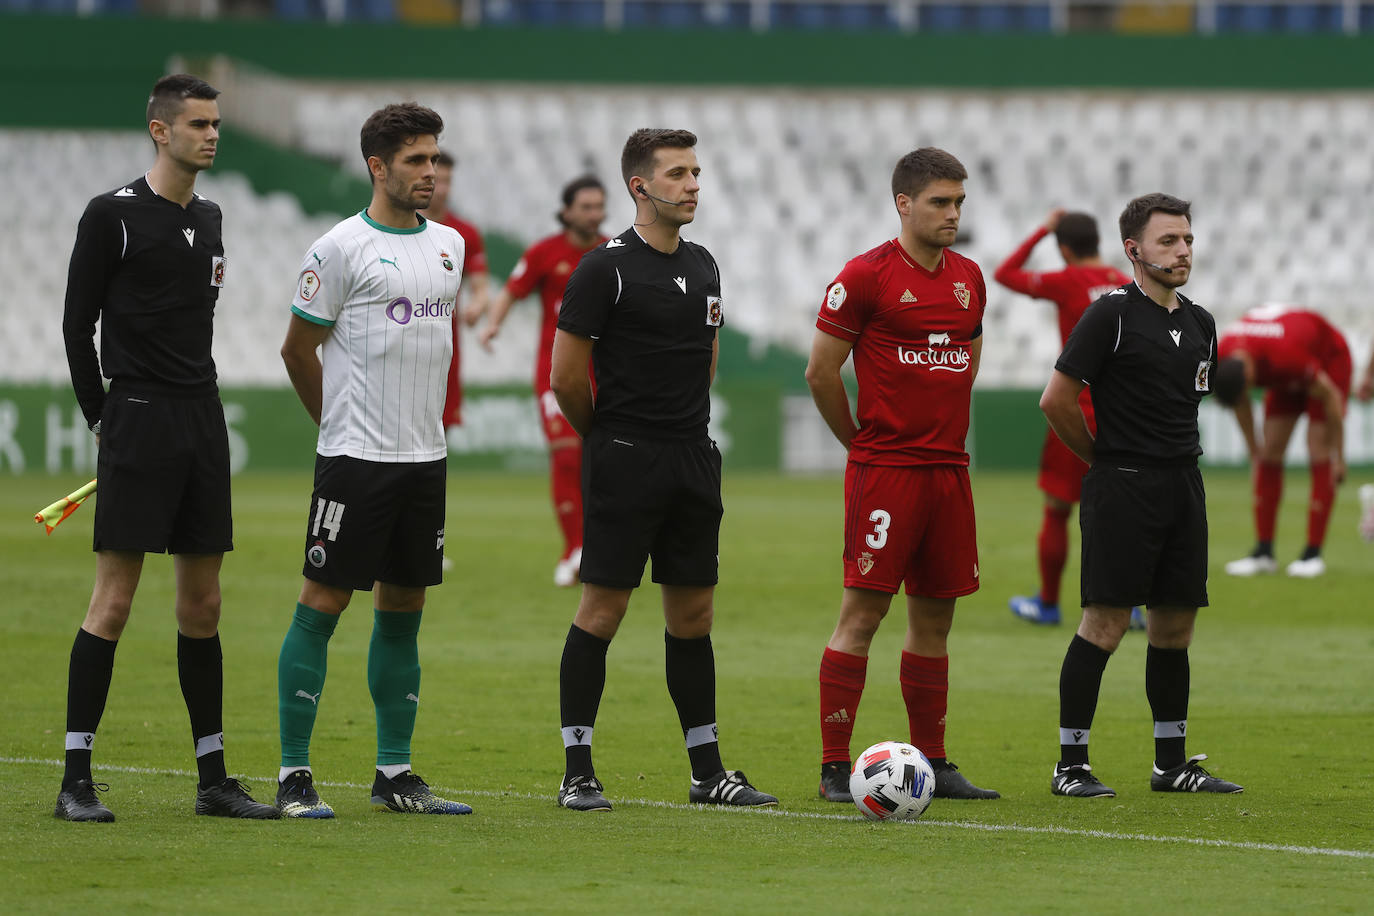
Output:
(1137, 212)
(580, 183)
(165, 101)
(388, 129)
(446, 159)
(920, 167)
(1078, 233)
(1228, 381)
(638, 154)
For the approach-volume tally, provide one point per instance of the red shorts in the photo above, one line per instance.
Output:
(1293, 401)
(912, 525)
(1061, 471)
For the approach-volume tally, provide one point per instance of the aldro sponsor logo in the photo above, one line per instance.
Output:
(939, 355)
(401, 310)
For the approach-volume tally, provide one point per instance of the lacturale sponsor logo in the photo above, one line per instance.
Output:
(401, 310)
(938, 356)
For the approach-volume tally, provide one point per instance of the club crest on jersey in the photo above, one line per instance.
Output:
(217, 272)
(444, 259)
(962, 294)
(715, 315)
(835, 297)
(865, 563)
(310, 285)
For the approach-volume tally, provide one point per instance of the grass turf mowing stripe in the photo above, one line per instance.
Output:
(806, 815)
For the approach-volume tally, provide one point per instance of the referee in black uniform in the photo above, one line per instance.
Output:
(1147, 354)
(644, 308)
(148, 264)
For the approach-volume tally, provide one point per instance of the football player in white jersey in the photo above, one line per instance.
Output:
(376, 296)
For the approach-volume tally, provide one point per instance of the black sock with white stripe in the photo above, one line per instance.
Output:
(581, 680)
(200, 668)
(1080, 681)
(1167, 684)
(88, 686)
(690, 667)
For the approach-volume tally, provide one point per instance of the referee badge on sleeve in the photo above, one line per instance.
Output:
(715, 316)
(1202, 381)
(217, 272)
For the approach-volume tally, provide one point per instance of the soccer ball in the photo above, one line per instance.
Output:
(892, 781)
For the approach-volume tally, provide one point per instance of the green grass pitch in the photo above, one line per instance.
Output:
(1283, 673)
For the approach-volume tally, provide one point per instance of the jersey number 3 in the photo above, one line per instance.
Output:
(878, 537)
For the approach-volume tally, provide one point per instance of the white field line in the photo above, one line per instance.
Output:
(805, 815)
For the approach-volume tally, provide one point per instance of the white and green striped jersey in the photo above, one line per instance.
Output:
(389, 296)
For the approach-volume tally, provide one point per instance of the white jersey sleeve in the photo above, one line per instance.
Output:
(321, 288)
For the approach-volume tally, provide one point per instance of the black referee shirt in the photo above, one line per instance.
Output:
(1148, 368)
(654, 318)
(151, 272)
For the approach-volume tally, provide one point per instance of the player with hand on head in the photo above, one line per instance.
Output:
(148, 264)
(376, 296)
(1304, 364)
(911, 312)
(1083, 279)
(546, 266)
(1148, 353)
(644, 309)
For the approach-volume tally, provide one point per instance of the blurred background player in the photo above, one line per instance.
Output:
(911, 312)
(1084, 278)
(476, 284)
(375, 296)
(1304, 364)
(546, 266)
(146, 251)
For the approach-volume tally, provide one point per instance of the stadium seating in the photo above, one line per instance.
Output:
(794, 182)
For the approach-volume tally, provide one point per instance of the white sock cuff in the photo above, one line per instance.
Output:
(1177, 729)
(701, 734)
(392, 770)
(574, 735)
(80, 741)
(209, 744)
(1073, 737)
(287, 771)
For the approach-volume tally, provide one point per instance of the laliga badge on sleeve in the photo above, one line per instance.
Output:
(310, 284)
(835, 297)
(217, 272)
(715, 316)
(1202, 381)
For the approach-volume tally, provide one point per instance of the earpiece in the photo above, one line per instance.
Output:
(641, 191)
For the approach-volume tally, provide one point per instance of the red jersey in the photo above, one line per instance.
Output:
(911, 329)
(1288, 345)
(1071, 290)
(546, 265)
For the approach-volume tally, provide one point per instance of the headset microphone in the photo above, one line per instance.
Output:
(1135, 253)
(644, 192)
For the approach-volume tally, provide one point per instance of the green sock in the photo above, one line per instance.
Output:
(300, 681)
(393, 676)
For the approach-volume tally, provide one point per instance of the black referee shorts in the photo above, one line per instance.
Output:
(1144, 535)
(373, 521)
(646, 498)
(163, 473)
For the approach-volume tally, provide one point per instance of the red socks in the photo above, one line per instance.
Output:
(925, 687)
(1319, 504)
(1053, 552)
(842, 686)
(1268, 492)
(565, 472)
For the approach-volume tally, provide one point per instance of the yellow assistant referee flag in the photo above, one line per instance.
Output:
(54, 515)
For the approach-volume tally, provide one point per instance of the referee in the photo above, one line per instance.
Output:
(148, 264)
(644, 308)
(1148, 354)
